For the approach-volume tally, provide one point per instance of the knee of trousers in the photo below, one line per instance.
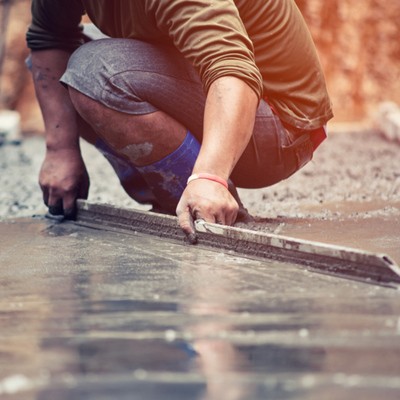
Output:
(100, 70)
(90, 58)
(136, 77)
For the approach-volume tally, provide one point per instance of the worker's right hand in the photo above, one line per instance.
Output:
(63, 179)
(208, 201)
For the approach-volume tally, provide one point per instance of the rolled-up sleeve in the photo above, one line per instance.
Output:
(55, 24)
(211, 35)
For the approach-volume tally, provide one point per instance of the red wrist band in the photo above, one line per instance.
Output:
(210, 177)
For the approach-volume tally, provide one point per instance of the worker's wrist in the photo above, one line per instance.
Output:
(55, 144)
(208, 176)
(213, 165)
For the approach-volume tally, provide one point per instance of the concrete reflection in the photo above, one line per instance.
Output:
(217, 357)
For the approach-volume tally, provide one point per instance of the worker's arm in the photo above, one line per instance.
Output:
(228, 125)
(213, 38)
(63, 177)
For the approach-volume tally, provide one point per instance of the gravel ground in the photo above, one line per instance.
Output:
(349, 168)
(360, 169)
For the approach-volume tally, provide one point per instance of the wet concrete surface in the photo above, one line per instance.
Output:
(88, 314)
(374, 268)
(370, 226)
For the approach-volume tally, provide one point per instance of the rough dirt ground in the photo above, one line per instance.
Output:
(349, 194)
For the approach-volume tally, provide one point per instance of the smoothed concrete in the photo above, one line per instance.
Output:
(327, 258)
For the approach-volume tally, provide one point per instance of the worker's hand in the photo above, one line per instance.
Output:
(63, 179)
(206, 200)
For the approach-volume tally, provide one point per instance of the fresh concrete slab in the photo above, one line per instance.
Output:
(94, 314)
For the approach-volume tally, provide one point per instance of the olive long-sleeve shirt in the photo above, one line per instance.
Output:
(263, 42)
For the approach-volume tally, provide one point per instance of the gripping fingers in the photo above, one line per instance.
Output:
(55, 203)
(69, 202)
(186, 222)
(62, 204)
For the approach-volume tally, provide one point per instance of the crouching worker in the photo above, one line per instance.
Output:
(186, 99)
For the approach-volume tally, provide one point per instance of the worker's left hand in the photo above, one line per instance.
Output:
(63, 179)
(206, 200)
